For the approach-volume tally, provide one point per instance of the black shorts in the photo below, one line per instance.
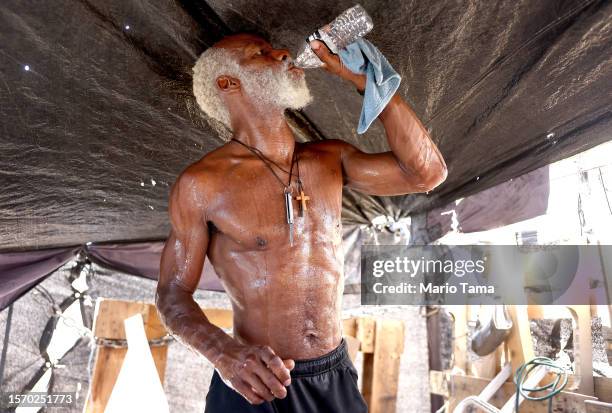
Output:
(327, 384)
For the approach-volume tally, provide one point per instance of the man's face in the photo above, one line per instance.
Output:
(268, 75)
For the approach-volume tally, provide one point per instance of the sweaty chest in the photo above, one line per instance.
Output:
(250, 208)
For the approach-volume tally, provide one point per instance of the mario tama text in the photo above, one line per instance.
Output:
(481, 274)
(432, 288)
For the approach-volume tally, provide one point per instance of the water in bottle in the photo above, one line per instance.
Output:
(349, 26)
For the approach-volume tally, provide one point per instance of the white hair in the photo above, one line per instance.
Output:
(211, 64)
(269, 88)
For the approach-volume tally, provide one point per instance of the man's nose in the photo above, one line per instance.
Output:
(281, 55)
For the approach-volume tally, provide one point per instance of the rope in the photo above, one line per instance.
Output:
(122, 343)
(553, 388)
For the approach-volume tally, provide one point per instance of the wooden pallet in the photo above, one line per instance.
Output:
(584, 392)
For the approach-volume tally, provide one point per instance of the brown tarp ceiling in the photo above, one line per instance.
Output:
(95, 131)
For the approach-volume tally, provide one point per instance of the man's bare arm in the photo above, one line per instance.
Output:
(180, 269)
(254, 371)
(414, 163)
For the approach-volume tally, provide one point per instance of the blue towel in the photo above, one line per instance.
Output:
(382, 82)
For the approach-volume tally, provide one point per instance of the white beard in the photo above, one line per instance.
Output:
(278, 88)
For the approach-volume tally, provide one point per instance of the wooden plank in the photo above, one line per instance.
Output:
(583, 348)
(459, 313)
(111, 313)
(349, 332)
(367, 376)
(603, 388)
(108, 323)
(488, 366)
(160, 356)
(434, 335)
(387, 352)
(366, 333)
(535, 311)
(465, 386)
(597, 407)
(349, 327)
(438, 383)
(352, 345)
(520, 345)
(106, 370)
(222, 318)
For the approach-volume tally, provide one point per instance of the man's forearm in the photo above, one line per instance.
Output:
(185, 320)
(411, 144)
(239, 365)
(408, 139)
(417, 156)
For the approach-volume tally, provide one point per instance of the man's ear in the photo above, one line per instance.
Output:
(227, 83)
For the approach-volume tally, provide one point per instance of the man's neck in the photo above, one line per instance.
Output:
(269, 133)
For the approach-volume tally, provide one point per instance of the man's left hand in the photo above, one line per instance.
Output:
(333, 64)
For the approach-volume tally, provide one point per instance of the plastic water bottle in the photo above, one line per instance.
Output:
(349, 26)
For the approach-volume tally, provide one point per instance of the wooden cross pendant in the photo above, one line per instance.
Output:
(302, 198)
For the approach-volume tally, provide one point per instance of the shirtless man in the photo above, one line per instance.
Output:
(286, 353)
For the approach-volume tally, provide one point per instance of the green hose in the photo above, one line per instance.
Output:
(553, 388)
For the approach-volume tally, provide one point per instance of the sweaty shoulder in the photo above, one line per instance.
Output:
(335, 147)
(195, 184)
(204, 173)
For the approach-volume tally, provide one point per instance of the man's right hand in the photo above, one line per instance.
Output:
(255, 372)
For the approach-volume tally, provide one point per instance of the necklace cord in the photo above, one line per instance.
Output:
(267, 161)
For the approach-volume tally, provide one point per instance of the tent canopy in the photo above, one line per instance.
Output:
(98, 118)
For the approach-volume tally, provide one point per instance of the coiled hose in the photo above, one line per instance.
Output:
(554, 387)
